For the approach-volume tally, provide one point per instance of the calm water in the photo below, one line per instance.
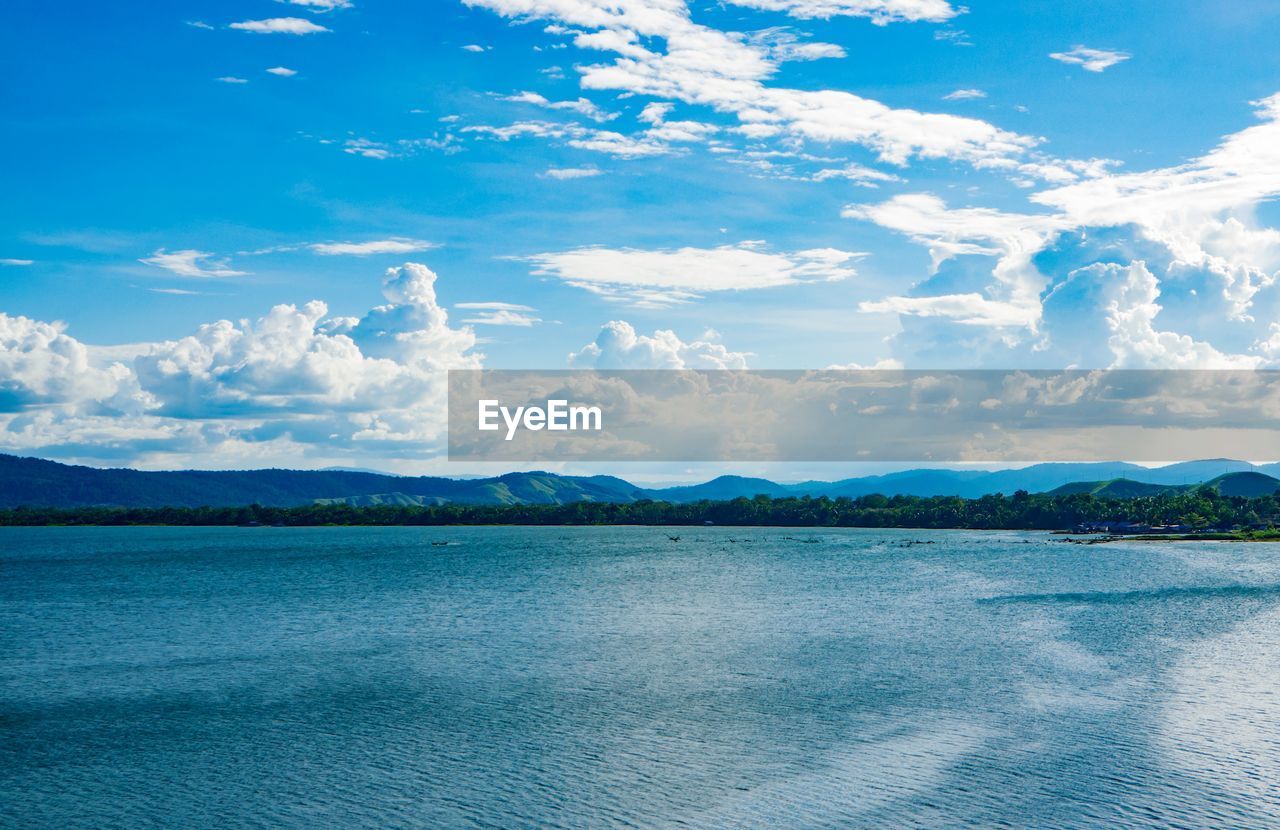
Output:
(608, 677)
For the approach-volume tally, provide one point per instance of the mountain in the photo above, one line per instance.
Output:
(906, 483)
(722, 489)
(1037, 478)
(1116, 488)
(1248, 484)
(1251, 485)
(38, 483)
(1194, 472)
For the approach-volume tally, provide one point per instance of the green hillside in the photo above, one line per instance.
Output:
(1245, 484)
(1116, 488)
(1249, 485)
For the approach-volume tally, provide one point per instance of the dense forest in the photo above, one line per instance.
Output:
(1200, 509)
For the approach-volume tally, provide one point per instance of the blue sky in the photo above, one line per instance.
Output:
(631, 183)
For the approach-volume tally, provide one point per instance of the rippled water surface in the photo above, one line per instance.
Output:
(609, 677)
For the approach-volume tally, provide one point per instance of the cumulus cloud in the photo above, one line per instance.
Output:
(1195, 226)
(474, 47)
(280, 26)
(651, 278)
(881, 12)
(282, 71)
(1129, 304)
(964, 95)
(396, 245)
(231, 79)
(41, 365)
(296, 378)
(618, 346)
(191, 263)
(1092, 60)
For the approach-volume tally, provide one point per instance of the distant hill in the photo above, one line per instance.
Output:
(1116, 488)
(1037, 478)
(721, 489)
(1247, 484)
(38, 483)
(35, 482)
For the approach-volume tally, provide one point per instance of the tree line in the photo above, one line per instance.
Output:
(1200, 509)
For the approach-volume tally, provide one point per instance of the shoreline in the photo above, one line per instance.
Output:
(1064, 536)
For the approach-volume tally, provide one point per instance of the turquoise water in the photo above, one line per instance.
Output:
(609, 677)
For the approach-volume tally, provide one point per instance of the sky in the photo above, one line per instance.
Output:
(256, 232)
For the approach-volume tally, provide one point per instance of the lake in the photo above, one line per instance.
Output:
(611, 677)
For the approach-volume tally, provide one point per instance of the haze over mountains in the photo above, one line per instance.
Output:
(35, 482)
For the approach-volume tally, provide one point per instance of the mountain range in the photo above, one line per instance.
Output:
(37, 482)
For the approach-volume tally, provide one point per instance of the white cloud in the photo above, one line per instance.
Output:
(231, 79)
(298, 363)
(1092, 60)
(282, 71)
(280, 25)
(964, 95)
(619, 145)
(662, 277)
(474, 47)
(673, 131)
(17, 261)
(190, 263)
(575, 135)
(655, 112)
(367, 148)
(567, 173)
(499, 314)
(319, 5)
(952, 35)
(445, 142)
(618, 346)
(41, 365)
(374, 246)
(1198, 220)
(538, 129)
(1135, 340)
(966, 309)
(198, 24)
(503, 317)
(494, 306)
(856, 173)
(294, 382)
(881, 12)
(582, 106)
(783, 45)
(725, 71)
